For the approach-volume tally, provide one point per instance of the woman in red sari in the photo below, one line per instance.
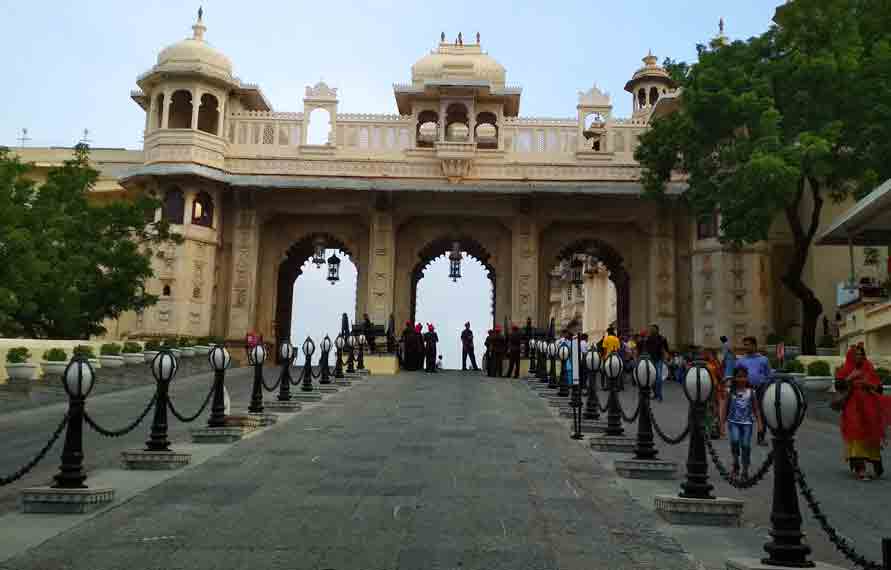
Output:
(865, 415)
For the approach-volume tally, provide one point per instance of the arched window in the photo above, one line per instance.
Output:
(319, 131)
(208, 114)
(456, 122)
(166, 291)
(174, 206)
(487, 130)
(202, 210)
(642, 98)
(180, 116)
(426, 129)
(159, 111)
(654, 95)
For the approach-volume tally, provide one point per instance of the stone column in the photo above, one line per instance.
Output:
(196, 104)
(524, 270)
(381, 273)
(165, 111)
(245, 248)
(662, 277)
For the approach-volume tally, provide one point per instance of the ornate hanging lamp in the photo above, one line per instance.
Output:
(455, 262)
(333, 269)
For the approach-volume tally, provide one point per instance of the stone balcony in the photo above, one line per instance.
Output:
(457, 158)
(185, 145)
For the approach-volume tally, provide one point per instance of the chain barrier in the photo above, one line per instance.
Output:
(666, 438)
(193, 417)
(123, 431)
(27, 467)
(274, 386)
(741, 484)
(840, 542)
(633, 418)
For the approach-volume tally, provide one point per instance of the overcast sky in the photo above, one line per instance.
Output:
(72, 65)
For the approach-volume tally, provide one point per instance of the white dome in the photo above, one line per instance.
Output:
(458, 62)
(194, 54)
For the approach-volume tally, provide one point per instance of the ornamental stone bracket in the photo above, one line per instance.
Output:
(457, 159)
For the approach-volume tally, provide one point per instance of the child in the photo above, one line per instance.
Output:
(439, 363)
(742, 413)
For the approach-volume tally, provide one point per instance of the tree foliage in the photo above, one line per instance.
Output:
(772, 126)
(66, 263)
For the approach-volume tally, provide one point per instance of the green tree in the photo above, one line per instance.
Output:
(773, 126)
(67, 262)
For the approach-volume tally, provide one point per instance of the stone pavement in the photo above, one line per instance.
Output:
(406, 472)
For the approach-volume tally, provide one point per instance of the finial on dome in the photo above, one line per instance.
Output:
(442, 37)
(199, 28)
(721, 25)
(460, 39)
(650, 59)
(477, 38)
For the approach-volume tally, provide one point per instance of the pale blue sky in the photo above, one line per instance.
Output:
(71, 65)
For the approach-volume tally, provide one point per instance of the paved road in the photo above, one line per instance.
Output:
(408, 472)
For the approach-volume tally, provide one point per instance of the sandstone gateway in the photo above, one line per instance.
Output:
(254, 198)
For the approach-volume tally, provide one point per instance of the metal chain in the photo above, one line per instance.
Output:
(123, 431)
(633, 418)
(841, 543)
(666, 438)
(736, 483)
(193, 417)
(274, 386)
(27, 467)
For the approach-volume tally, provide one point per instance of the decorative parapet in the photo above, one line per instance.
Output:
(457, 159)
(539, 122)
(373, 118)
(269, 115)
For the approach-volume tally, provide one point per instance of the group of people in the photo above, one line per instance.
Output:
(500, 344)
(418, 349)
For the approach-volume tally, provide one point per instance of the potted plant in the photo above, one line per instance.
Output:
(86, 351)
(18, 368)
(819, 376)
(54, 362)
(152, 347)
(186, 345)
(826, 346)
(132, 353)
(110, 355)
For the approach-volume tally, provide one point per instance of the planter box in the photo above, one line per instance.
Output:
(109, 361)
(201, 350)
(818, 383)
(188, 352)
(21, 372)
(131, 358)
(827, 352)
(148, 355)
(177, 352)
(53, 367)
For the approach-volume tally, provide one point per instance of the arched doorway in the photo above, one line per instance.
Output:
(298, 259)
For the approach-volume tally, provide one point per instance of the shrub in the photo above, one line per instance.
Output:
(55, 355)
(774, 338)
(818, 368)
(170, 342)
(152, 345)
(85, 351)
(186, 342)
(826, 341)
(794, 366)
(131, 347)
(214, 340)
(110, 349)
(18, 355)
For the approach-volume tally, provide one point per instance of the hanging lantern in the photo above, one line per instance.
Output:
(576, 267)
(455, 262)
(318, 252)
(333, 269)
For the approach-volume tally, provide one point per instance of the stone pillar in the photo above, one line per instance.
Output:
(524, 269)
(196, 105)
(165, 111)
(245, 248)
(221, 111)
(381, 273)
(662, 277)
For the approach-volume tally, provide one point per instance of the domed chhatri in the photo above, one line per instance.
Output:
(458, 62)
(194, 54)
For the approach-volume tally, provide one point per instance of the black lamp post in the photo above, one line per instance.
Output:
(644, 373)
(333, 269)
(338, 362)
(784, 405)
(542, 351)
(552, 357)
(308, 348)
(78, 382)
(533, 364)
(164, 367)
(592, 406)
(351, 361)
(563, 355)
(361, 362)
(324, 371)
(256, 358)
(698, 389)
(613, 367)
(286, 352)
(455, 262)
(574, 380)
(219, 360)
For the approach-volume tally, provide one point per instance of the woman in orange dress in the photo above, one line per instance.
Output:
(866, 414)
(718, 398)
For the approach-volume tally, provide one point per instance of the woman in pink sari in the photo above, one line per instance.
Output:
(866, 414)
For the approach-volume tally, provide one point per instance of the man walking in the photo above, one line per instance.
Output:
(759, 376)
(514, 346)
(657, 347)
(467, 348)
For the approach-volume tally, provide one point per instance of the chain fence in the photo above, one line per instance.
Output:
(633, 418)
(125, 430)
(193, 417)
(274, 386)
(741, 484)
(667, 438)
(27, 467)
(841, 543)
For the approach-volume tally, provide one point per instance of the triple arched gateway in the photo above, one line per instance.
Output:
(528, 197)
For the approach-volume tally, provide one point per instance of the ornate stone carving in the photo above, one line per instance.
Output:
(593, 97)
(321, 91)
(456, 168)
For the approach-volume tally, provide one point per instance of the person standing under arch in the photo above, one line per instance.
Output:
(467, 348)
(514, 346)
(430, 341)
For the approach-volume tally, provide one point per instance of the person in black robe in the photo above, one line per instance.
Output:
(430, 340)
(411, 347)
(489, 357)
(404, 343)
(514, 346)
(500, 350)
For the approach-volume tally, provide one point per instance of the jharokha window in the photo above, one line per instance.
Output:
(707, 226)
(202, 210)
(174, 206)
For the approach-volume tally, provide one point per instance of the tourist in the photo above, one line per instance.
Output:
(499, 352)
(368, 329)
(728, 357)
(865, 413)
(657, 347)
(714, 418)
(439, 363)
(758, 368)
(610, 342)
(430, 340)
(467, 348)
(742, 413)
(514, 346)
(489, 357)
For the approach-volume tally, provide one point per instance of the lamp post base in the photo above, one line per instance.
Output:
(228, 434)
(264, 418)
(646, 468)
(143, 460)
(313, 396)
(613, 443)
(756, 564)
(65, 501)
(285, 406)
(329, 389)
(719, 511)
